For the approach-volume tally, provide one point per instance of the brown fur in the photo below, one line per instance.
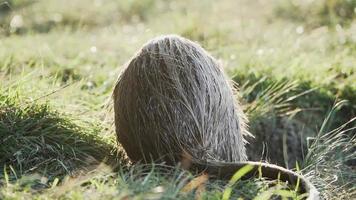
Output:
(173, 101)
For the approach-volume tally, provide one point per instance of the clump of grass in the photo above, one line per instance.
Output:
(37, 139)
(331, 157)
(265, 96)
(270, 105)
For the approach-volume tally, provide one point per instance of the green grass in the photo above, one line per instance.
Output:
(59, 60)
(316, 13)
(39, 140)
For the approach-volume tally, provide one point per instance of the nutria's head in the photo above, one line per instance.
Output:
(173, 99)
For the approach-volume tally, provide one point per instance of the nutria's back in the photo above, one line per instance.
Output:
(173, 99)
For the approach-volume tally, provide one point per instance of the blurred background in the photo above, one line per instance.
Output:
(292, 58)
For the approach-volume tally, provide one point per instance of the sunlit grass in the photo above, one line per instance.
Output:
(60, 59)
(330, 156)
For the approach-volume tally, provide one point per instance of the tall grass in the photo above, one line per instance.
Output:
(37, 139)
(330, 158)
(266, 97)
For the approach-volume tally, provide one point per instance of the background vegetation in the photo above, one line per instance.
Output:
(294, 62)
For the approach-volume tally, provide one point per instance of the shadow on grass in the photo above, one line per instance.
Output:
(281, 134)
(34, 139)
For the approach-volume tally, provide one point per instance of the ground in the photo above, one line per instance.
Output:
(293, 61)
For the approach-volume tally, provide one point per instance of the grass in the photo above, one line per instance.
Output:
(324, 12)
(46, 142)
(59, 61)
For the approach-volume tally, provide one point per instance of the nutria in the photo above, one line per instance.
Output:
(172, 101)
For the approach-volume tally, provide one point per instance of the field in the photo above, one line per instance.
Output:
(294, 62)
